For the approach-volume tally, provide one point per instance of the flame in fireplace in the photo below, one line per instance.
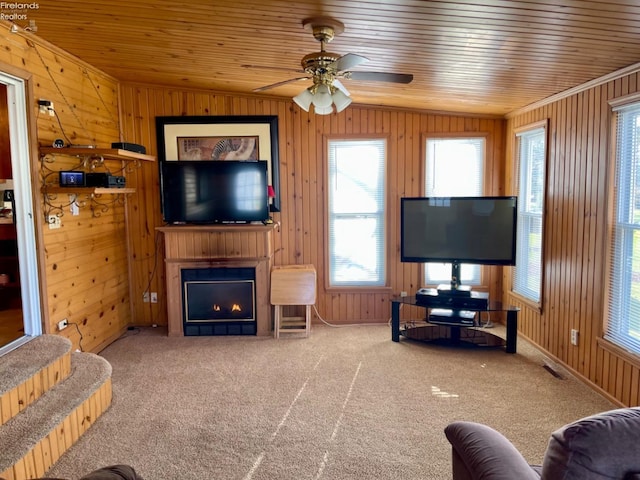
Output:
(235, 307)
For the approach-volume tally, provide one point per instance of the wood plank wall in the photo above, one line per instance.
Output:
(302, 136)
(575, 239)
(85, 262)
(86, 276)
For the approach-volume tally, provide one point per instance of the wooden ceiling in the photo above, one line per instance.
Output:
(474, 56)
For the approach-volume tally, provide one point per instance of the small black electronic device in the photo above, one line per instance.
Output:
(459, 291)
(70, 178)
(131, 147)
(106, 180)
(117, 181)
(445, 316)
(429, 297)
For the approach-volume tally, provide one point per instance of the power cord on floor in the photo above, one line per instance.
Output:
(346, 324)
(488, 323)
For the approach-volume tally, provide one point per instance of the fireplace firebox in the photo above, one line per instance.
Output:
(219, 301)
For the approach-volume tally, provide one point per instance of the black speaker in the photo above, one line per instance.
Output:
(132, 147)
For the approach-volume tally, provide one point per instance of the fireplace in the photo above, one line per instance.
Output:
(219, 301)
(212, 253)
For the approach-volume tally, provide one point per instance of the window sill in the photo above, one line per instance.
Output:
(626, 355)
(535, 306)
(358, 289)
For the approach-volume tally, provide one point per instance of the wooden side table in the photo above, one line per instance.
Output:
(292, 285)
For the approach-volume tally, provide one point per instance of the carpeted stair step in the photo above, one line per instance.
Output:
(32, 441)
(29, 371)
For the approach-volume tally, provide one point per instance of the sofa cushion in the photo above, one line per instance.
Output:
(113, 472)
(598, 447)
(480, 452)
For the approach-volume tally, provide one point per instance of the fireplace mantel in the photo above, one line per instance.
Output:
(218, 246)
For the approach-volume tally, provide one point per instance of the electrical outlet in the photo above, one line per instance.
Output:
(403, 294)
(574, 336)
(154, 297)
(54, 221)
(145, 297)
(62, 324)
(46, 106)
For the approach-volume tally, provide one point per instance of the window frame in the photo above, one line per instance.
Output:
(518, 133)
(423, 176)
(623, 344)
(386, 256)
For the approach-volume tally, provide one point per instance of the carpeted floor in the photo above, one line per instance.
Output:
(345, 403)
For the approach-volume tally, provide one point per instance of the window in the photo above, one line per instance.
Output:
(623, 325)
(357, 192)
(445, 159)
(530, 173)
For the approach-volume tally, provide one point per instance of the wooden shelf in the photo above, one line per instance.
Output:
(53, 205)
(54, 189)
(105, 153)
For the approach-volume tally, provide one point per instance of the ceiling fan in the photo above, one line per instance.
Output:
(325, 69)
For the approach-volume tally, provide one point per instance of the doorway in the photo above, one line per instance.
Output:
(20, 311)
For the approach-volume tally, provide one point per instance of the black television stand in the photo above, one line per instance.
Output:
(510, 342)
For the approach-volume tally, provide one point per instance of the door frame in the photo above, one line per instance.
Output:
(22, 133)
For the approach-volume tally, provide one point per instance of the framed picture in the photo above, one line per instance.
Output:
(220, 138)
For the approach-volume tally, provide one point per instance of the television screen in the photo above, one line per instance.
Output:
(214, 191)
(475, 230)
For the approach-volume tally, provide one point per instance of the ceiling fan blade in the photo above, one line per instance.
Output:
(348, 61)
(271, 67)
(338, 84)
(274, 85)
(380, 77)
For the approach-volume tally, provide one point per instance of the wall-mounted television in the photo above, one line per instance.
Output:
(208, 192)
(475, 230)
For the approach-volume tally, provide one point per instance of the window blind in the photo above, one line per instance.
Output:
(622, 324)
(530, 168)
(357, 211)
(454, 167)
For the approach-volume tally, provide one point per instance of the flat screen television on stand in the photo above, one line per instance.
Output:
(208, 192)
(474, 230)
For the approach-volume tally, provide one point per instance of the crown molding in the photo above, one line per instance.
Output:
(635, 68)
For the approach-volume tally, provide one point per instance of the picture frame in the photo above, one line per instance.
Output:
(223, 137)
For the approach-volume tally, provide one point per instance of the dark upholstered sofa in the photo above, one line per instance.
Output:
(605, 446)
(112, 472)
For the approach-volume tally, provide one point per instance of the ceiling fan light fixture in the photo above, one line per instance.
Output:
(322, 97)
(340, 100)
(323, 110)
(325, 69)
(304, 99)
